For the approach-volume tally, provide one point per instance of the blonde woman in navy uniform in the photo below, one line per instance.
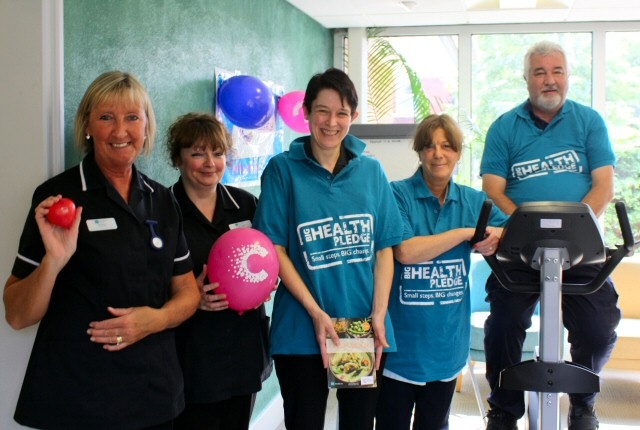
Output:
(224, 355)
(107, 291)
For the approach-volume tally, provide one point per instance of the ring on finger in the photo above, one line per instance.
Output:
(119, 340)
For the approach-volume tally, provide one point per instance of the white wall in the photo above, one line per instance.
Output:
(29, 118)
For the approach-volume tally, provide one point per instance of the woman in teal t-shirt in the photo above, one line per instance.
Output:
(429, 303)
(331, 214)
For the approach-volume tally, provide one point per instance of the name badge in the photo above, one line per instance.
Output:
(245, 223)
(102, 224)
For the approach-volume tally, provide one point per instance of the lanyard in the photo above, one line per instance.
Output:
(156, 242)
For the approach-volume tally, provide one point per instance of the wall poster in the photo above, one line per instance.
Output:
(252, 148)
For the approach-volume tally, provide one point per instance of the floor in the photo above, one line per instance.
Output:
(618, 406)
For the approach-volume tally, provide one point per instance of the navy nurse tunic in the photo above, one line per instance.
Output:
(223, 354)
(71, 382)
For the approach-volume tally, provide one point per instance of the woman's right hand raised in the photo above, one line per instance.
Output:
(60, 243)
(27, 299)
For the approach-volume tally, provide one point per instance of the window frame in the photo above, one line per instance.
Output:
(356, 55)
(358, 59)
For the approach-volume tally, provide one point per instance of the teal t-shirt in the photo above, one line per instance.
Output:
(332, 227)
(430, 301)
(550, 164)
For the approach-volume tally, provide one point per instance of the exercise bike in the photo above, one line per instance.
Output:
(551, 237)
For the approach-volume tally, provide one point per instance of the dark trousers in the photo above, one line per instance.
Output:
(229, 414)
(304, 388)
(164, 426)
(590, 320)
(432, 402)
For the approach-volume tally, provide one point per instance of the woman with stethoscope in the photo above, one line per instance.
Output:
(107, 290)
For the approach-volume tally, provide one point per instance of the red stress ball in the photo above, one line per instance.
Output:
(62, 213)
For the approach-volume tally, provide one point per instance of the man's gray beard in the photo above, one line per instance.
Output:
(549, 103)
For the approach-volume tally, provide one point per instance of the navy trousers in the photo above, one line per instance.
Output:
(233, 413)
(428, 404)
(590, 320)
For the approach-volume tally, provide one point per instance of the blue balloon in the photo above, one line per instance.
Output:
(246, 101)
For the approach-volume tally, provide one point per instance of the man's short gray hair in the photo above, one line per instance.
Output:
(543, 48)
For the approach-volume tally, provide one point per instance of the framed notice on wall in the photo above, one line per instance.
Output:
(391, 145)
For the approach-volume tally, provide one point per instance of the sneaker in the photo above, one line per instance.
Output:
(582, 418)
(497, 419)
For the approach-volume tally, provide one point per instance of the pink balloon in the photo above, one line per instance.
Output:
(290, 109)
(245, 264)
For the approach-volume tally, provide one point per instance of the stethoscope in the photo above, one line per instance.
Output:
(156, 242)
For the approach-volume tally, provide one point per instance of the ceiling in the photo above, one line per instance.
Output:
(392, 13)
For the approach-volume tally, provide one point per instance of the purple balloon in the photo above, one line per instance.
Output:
(246, 101)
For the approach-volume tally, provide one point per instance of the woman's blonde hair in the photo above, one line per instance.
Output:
(119, 87)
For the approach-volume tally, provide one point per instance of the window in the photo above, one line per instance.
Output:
(623, 120)
(474, 73)
(439, 79)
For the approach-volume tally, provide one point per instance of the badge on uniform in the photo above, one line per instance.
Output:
(102, 224)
